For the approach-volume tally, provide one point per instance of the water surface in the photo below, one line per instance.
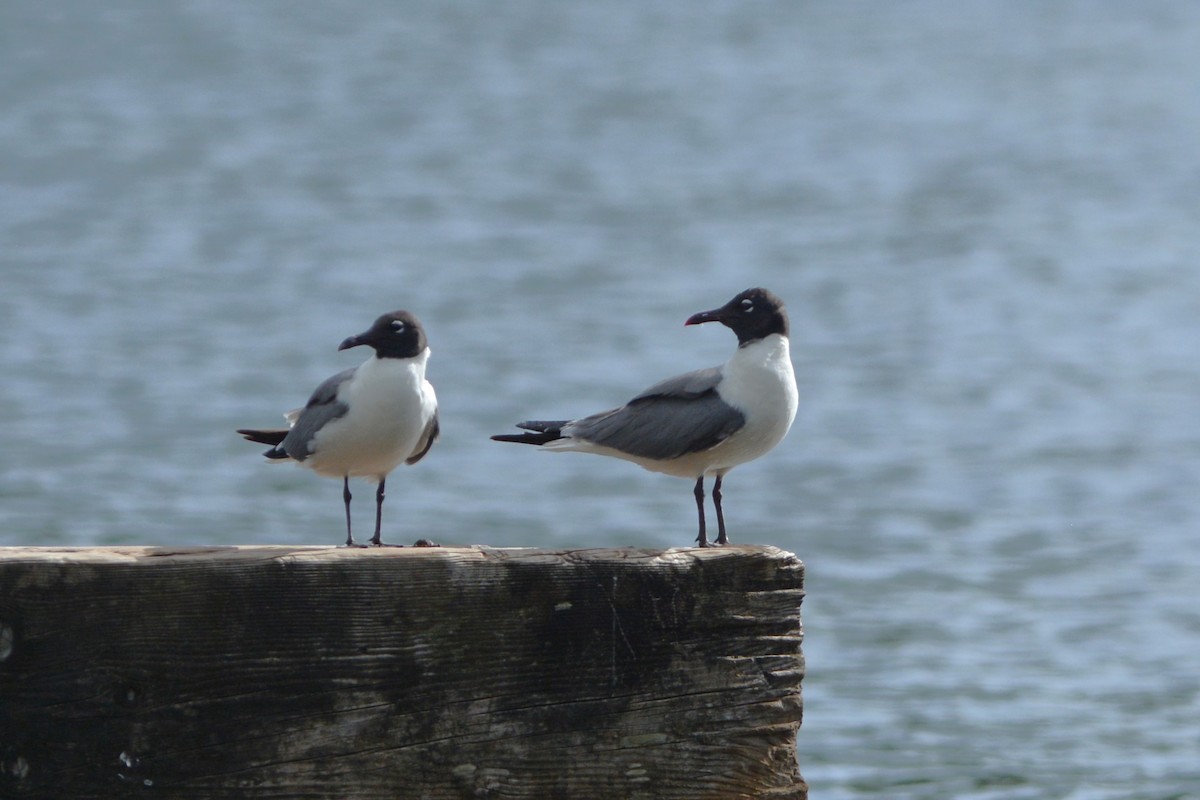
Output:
(983, 219)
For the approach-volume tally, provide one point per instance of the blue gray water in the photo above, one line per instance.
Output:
(984, 218)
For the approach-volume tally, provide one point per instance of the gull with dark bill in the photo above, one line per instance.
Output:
(366, 420)
(700, 423)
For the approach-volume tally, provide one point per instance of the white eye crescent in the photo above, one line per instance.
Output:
(747, 305)
(398, 326)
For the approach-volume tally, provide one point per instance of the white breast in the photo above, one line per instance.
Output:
(758, 381)
(390, 404)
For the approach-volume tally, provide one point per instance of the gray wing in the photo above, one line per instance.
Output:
(688, 385)
(680, 415)
(321, 409)
(428, 437)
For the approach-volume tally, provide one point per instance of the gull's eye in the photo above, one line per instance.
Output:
(398, 326)
(747, 305)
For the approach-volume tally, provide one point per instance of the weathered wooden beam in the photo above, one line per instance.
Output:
(317, 672)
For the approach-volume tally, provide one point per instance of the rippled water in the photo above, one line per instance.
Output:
(983, 217)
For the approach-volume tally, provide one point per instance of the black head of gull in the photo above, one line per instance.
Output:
(396, 334)
(703, 422)
(753, 314)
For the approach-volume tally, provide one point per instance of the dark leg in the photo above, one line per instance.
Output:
(375, 540)
(701, 538)
(716, 493)
(346, 497)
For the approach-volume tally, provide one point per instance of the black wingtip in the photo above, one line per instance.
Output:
(526, 438)
(271, 437)
(541, 432)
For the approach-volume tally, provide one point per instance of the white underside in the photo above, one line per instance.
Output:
(390, 406)
(759, 382)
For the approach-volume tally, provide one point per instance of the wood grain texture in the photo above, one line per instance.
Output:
(314, 672)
